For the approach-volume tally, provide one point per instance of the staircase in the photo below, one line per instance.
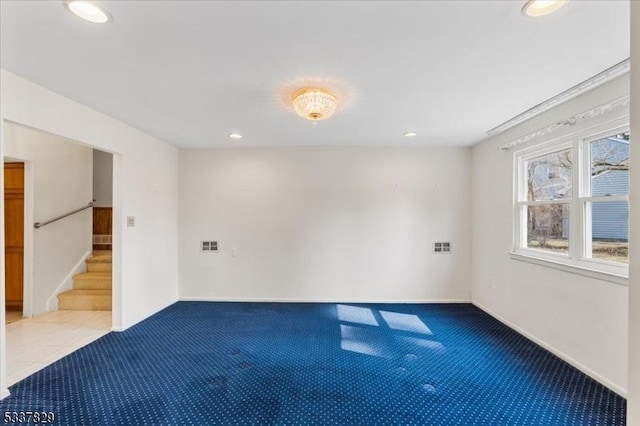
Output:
(91, 289)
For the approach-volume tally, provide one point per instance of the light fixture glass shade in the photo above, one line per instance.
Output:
(536, 8)
(88, 11)
(314, 103)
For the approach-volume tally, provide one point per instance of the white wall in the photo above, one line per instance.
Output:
(102, 178)
(350, 224)
(633, 402)
(582, 319)
(60, 174)
(4, 392)
(145, 275)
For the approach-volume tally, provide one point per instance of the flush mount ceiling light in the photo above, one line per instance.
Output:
(314, 103)
(537, 8)
(410, 134)
(235, 135)
(88, 10)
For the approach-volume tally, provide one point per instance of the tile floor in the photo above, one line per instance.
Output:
(34, 343)
(12, 316)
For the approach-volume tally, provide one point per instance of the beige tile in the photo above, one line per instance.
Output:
(34, 343)
(12, 316)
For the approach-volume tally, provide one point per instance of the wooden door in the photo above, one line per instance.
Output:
(14, 234)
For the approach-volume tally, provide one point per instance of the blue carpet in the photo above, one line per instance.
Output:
(316, 364)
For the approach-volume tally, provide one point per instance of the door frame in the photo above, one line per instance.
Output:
(117, 312)
(29, 220)
(28, 243)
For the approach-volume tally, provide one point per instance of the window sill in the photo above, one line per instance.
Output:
(572, 268)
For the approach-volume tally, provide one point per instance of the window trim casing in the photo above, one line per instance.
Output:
(575, 261)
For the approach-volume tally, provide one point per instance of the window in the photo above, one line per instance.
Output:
(572, 202)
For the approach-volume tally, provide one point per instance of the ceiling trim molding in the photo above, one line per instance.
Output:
(602, 109)
(589, 84)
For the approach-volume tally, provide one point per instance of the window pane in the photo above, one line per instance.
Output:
(610, 231)
(549, 176)
(610, 166)
(548, 227)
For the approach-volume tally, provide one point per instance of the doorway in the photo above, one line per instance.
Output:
(14, 183)
(56, 180)
(102, 201)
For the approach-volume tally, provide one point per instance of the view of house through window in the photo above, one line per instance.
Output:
(609, 189)
(549, 189)
(573, 200)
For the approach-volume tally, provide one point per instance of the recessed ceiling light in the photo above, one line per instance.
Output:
(88, 10)
(410, 134)
(235, 135)
(536, 8)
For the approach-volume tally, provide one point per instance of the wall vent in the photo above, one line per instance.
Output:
(442, 248)
(208, 246)
(102, 240)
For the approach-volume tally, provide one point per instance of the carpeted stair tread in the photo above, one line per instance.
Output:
(85, 299)
(92, 281)
(99, 267)
(85, 292)
(100, 258)
(91, 289)
(93, 275)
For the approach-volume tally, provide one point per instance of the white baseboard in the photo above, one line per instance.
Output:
(300, 300)
(4, 393)
(67, 282)
(586, 370)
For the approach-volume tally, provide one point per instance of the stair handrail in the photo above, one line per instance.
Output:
(38, 225)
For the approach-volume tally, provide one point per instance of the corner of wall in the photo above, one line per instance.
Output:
(3, 328)
(552, 307)
(633, 402)
(557, 352)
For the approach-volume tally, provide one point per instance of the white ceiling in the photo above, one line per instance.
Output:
(190, 72)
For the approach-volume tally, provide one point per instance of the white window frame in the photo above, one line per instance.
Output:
(576, 260)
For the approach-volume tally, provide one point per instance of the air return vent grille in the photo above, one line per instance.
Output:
(208, 246)
(442, 248)
(102, 239)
